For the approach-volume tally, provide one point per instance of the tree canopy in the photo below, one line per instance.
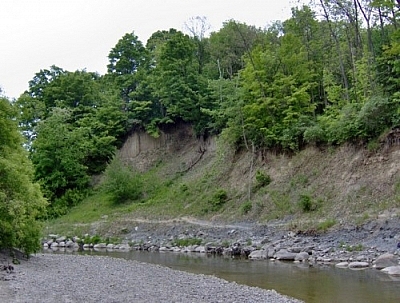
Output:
(21, 201)
(327, 75)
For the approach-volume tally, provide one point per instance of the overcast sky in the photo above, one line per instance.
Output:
(78, 34)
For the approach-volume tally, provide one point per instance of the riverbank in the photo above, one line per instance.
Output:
(76, 278)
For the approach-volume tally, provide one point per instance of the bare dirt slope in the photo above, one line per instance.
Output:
(347, 183)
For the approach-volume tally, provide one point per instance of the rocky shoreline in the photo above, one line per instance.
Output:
(68, 278)
(372, 245)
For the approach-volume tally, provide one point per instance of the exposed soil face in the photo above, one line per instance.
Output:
(348, 183)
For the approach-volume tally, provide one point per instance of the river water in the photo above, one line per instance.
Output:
(317, 284)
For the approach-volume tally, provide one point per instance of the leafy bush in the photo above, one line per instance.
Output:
(246, 207)
(374, 116)
(306, 203)
(122, 183)
(262, 179)
(315, 134)
(218, 199)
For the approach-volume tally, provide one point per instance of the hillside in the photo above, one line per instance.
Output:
(188, 177)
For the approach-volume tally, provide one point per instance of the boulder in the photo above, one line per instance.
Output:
(392, 270)
(200, 249)
(124, 246)
(61, 239)
(385, 260)
(69, 243)
(342, 265)
(284, 255)
(100, 246)
(164, 248)
(302, 256)
(358, 265)
(110, 246)
(258, 254)
(295, 250)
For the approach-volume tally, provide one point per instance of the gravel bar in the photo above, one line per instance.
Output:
(78, 278)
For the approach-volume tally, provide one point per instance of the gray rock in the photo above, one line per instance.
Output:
(164, 248)
(302, 256)
(342, 265)
(110, 246)
(200, 249)
(295, 249)
(284, 255)
(258, 254)
(61, 239)
(357, 265)
(69, 243)
(100, 246)
(124, 247)
(385, 260)
(392, 270)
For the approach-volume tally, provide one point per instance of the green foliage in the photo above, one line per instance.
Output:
(122, 183)
(351, 248)
(246, 207)
(74, 122)
(325, 225)
(187, 242)
(218, 199)
(262, 179)
(305, 203)
(21, 201)
(59, 153)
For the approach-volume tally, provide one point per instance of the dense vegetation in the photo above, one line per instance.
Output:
(328, 75)
(21, 201)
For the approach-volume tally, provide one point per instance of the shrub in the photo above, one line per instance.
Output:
(122, 183)
(314, 134)
(262, 179)
(306, 203)
(246, 207)
(218, 199)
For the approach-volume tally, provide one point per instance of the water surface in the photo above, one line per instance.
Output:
(319, 284)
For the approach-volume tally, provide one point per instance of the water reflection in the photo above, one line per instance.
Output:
(319, 284)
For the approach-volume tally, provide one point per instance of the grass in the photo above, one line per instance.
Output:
(187, 242)
(325, 225)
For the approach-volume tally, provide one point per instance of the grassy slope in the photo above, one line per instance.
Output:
(336, 186)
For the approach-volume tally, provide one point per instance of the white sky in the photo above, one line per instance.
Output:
(78, 34)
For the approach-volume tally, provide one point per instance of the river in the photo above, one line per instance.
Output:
(315, 284)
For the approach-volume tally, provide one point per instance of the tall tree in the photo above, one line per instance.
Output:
(21, 201)
(127, 58)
